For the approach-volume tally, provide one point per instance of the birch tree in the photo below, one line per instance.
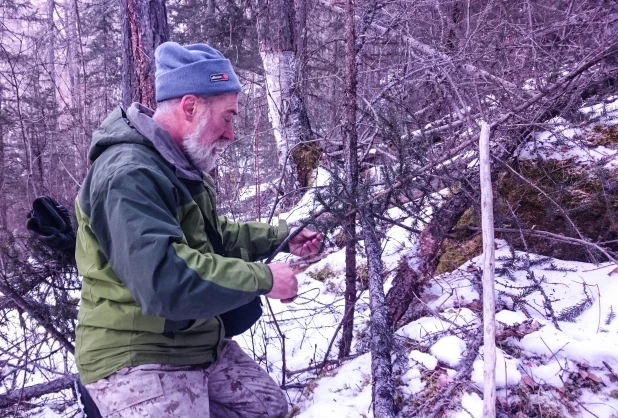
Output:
(296, 152)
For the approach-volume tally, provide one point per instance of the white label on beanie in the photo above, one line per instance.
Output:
(219, 77)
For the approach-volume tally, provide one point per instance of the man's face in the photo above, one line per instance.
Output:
(213, 130)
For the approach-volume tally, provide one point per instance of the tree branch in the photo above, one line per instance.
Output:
(38, 390)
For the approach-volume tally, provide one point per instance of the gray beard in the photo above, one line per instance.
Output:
(203, 157)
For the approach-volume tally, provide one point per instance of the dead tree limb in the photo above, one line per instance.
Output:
(43, 321)
(35, 391)
(548, 235)
(489, 302)
(417, 268)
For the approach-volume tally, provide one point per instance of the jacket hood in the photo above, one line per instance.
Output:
(136, 126)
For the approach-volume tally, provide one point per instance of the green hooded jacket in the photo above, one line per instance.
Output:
(152, 285)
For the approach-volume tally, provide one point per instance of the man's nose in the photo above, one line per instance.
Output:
(228, 134)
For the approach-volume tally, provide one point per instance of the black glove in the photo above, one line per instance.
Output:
(50, 223)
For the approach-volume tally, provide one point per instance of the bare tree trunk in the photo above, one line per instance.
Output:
(130, 91)
(417, 268)
(351, 180)
(301, 41)
(69, 17)
(51, 118)
(3, 202)
(381, 327)
(286, 105)
(51, 42)
(489, 302)
(144, 27)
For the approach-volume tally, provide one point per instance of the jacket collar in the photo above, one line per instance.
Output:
(141, 118)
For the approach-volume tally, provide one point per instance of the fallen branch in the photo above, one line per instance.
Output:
(548, 235)
(7, 290)
(35, 391)
(489, 300)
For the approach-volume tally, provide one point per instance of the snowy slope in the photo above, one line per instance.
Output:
(577, 358)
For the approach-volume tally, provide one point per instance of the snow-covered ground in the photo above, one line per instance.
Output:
(570, 370)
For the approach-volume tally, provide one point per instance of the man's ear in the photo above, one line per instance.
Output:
(188, 105)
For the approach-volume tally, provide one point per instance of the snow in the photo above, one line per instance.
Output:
(548, 356)
(562, 142)
(507, 370)
(449, 350)
(450, 290)
(554, 373)
(606, 112)
(346, 394)
(248, 192)
(427, 327)
(412, 383)
(472, 406)
(510, 317)
(426, 360)
(308, 205)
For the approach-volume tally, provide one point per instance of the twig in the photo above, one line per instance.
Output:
(295, 410)
(545, 234)
(282, 336)
(322, 365)
(546, 301)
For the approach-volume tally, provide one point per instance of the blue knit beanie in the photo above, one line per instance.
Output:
(193, 69)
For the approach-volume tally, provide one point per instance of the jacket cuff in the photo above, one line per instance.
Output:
(263, 276)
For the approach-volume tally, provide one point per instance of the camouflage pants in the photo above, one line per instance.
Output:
(234, 386)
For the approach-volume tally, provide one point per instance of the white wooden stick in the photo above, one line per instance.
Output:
(489, 303)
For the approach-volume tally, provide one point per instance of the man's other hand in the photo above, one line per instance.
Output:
(307, 242)
(285, 284)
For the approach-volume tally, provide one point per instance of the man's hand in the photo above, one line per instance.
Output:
(306, 243)
(285, 284)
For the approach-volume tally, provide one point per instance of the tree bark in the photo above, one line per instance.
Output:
(297, 156)
(381, 327)
(489, 302)
(144, 27)
(418, 266)
(351, 180)
(35, 391)
(51, 44)
(3, 202)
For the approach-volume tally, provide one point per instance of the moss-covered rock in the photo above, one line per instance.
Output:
(562, 197)
(456, 251)
(306, 156)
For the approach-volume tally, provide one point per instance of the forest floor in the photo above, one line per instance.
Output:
(560, 364)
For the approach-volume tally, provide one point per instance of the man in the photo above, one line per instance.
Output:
(160, 267)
